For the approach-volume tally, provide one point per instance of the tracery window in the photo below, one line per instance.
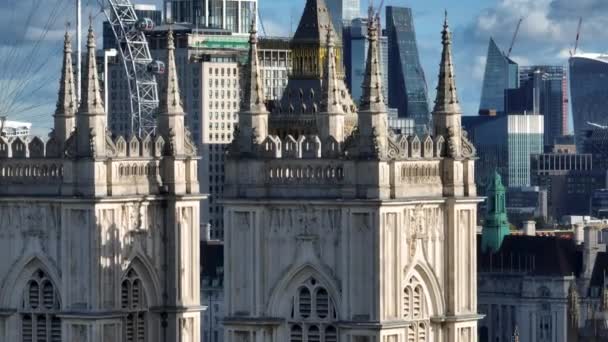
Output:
(415, 310)
(39, 321)
(133, 302)
(313, 314)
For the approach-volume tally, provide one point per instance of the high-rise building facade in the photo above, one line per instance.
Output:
(407, 87)
(355, 57)
(589, 92)
(343, 12)
(342, 234)
(235, 16)
(276, 65)
(542, 90)
(100, 231)
(501, 73)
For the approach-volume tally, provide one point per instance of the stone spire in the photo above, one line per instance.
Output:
(253, 92)
(64, 119)
(91, 102)
(91, 116)
(447, 112)
(372, 98)
(253, 117)
(372, 119)
(331, 94)
(170, 101)
(171, 113)
(330, 121)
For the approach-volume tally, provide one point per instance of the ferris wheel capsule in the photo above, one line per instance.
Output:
(156, 67)
(145, 24)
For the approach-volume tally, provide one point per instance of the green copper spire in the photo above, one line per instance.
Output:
(496, 226)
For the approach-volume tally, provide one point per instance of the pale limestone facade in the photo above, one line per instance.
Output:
(99, 235)
(343, 234)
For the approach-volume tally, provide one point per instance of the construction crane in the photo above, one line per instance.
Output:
(514, 37)
(262, 24)
(578, 35)
(593, 124)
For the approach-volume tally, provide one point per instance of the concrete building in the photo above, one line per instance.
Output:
(570, 180)
(276, 65)
(527, 203)
(99, 233)
(335, 234)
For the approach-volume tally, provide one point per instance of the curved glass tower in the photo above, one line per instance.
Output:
(589, 92)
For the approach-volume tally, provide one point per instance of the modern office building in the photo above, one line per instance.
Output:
(407, 87)
(275, 64)
(142, 11)
(355, 56)
(589, 92)
(527, 203)
(501, 73)
(595, 142)
(343, 12)
(599, 204)
(212, 291)
(504, 144)
(231, 15)
(542, 90)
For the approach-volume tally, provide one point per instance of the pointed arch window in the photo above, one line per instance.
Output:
(39, 321)
(133, 302)
(313, 314)
(415, 310)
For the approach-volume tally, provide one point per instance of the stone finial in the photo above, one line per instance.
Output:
(171, 122)
(253, 91)
(331, 94)
(372, 98)
(91, 102)
(66, 102)
(170, 101)
(573, 305)
(447, 97)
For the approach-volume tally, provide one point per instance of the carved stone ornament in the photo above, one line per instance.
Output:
(417, 227)
(468, 150)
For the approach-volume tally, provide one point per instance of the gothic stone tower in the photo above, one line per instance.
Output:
(345, 234)
(99, 235)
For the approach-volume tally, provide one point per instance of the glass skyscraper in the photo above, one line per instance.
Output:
(232, 15)
(589, 92)
(501, 74)
(343, 12)
(407, 88)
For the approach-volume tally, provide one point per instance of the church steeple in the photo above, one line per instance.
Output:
(447, 112)
(253, 117)
(91, 116)
(373, 120)
(64, 119)
(171, 123)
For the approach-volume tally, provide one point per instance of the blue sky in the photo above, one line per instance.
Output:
(548, 31)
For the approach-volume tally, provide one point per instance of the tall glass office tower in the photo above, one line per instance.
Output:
(232, 15)
(501, 74)
(589, 92)
(407, 88)
(343, 12)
